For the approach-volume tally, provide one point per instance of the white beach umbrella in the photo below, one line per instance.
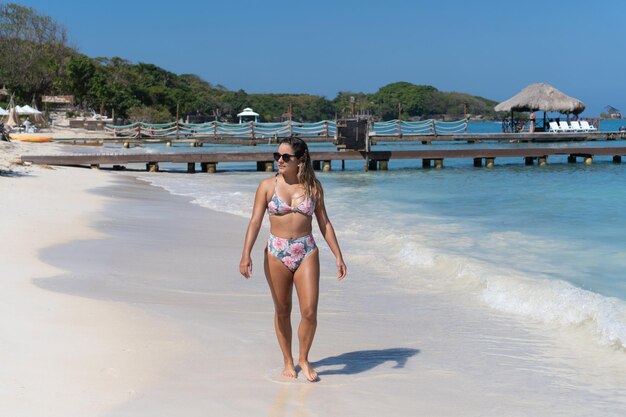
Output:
(3, 112)
(27, 110)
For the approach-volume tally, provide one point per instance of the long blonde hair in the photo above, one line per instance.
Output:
(306, 174)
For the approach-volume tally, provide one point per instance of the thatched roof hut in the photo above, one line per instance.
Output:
(542, 96)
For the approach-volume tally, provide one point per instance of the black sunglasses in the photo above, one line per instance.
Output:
(286, 157)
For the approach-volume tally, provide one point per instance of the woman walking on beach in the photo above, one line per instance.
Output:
(291, 198)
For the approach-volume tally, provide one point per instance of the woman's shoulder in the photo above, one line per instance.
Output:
(268, 183)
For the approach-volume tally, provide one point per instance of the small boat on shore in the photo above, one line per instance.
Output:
(30, 137)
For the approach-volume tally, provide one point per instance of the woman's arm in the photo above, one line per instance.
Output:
(260, 203)
(328, 232)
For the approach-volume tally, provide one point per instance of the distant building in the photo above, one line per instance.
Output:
(248, 115)
(58, 104)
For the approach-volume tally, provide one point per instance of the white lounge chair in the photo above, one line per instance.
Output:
(554, 127)
(565, 127)
(576, 127)
(586, 126)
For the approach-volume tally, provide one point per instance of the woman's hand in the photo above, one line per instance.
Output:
(342, 269)
(245, 266)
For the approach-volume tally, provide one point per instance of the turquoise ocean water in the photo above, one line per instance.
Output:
(544, 244)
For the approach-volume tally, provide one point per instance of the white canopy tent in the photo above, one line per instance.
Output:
(248, 112)
(26, 110)
(3, 112)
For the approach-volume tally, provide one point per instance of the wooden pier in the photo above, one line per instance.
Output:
(195, 141)
(373, 160)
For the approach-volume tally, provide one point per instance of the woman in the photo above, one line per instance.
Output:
(291, 256)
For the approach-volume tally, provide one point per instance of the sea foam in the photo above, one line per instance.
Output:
(503, 269)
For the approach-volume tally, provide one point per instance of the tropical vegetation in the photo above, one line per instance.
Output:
(37, 60)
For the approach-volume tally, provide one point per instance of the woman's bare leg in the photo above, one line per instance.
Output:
(307, 280)
(280, 280)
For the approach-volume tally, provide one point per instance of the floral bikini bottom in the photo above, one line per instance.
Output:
(291, 252)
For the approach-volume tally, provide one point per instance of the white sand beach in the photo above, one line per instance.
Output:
(119, 299)
(64, 355)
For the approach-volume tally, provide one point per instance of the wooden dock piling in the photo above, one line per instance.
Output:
(374, 160)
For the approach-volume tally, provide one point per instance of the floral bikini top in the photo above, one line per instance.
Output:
(278, 207)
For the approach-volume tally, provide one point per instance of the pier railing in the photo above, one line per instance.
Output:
(256, 130)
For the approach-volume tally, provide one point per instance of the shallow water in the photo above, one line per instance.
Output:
(541, 243)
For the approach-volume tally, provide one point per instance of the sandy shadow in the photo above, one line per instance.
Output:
(364, 360)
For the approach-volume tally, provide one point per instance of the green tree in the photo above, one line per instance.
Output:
(80, 75)
(33, 48)
(415, 100)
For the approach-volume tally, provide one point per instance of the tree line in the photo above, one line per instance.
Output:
(36, 60)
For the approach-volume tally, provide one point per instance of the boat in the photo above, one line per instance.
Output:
(30, 137)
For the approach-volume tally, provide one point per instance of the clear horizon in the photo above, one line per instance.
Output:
(488, 49)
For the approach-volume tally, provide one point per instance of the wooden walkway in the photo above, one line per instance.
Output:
(322, 160)
(194, 141)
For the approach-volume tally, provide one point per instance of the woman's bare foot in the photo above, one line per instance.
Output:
(290, 371)
(308, 371)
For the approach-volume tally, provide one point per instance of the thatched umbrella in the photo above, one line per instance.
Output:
(12, 119)
(39, 120)
(541, 96)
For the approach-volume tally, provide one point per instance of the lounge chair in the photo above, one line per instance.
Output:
(554, 127)
(565, 127)
(586, 126)
(576, 127)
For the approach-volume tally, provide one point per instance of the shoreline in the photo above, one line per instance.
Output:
(63, 355)
(171, 266)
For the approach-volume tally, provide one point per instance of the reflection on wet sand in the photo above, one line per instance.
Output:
(284, 405)
(291, 396)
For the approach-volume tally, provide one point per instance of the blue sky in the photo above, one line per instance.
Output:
(490, 48)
